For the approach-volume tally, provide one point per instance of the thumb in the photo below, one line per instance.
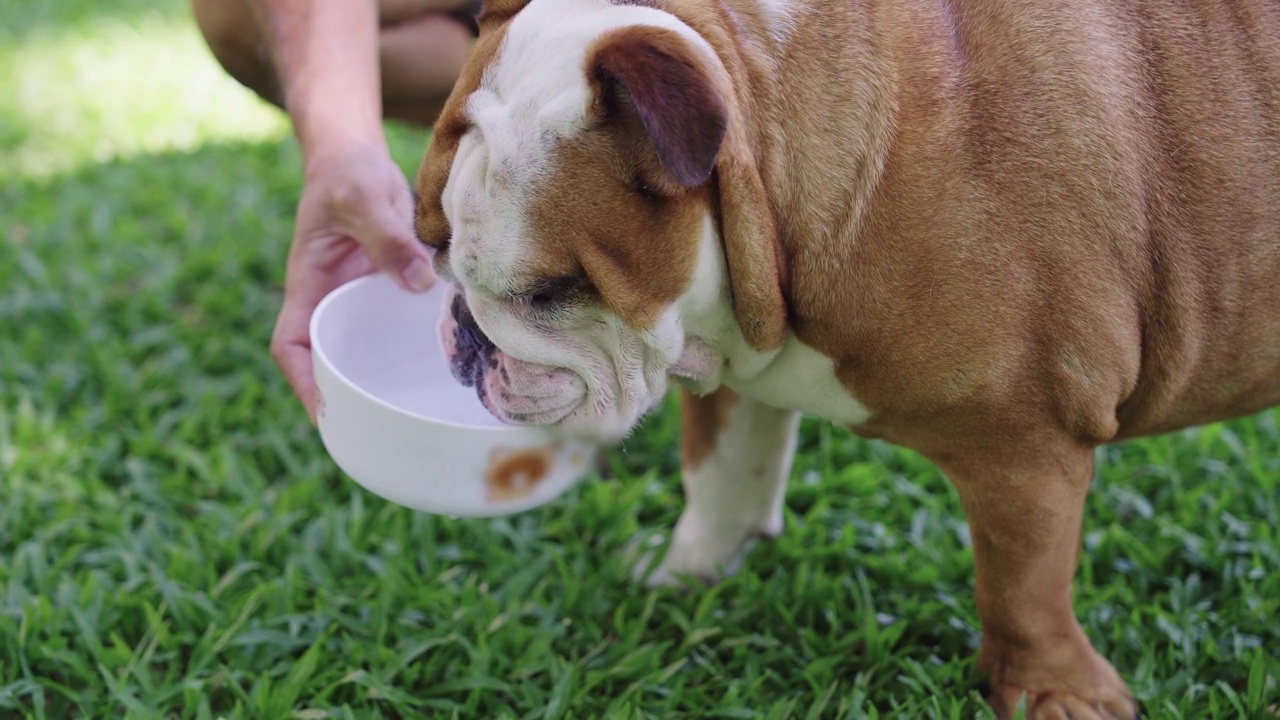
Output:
(395, 250)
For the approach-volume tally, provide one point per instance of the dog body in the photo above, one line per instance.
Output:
(997, 232)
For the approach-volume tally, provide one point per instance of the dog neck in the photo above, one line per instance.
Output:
(715, 349)
(778, 57)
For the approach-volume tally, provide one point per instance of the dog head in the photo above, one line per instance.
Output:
(592, 197)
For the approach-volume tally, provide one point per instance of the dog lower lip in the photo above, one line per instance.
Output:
(550, 416)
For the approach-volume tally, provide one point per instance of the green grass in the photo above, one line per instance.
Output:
(175, 543)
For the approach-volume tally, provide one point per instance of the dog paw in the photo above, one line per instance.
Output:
(1094, 692)
(683, 563)
(1064, 705)
(706, 552)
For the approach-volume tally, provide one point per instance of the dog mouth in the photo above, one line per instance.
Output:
(473, 351)
(514, 391)
(523, 393)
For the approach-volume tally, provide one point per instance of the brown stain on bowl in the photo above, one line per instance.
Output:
(514, 474)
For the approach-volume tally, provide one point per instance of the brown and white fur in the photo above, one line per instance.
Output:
(998, 232)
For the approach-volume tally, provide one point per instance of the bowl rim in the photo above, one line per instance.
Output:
(318, 352)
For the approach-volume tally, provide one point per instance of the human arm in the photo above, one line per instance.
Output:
(355, 213)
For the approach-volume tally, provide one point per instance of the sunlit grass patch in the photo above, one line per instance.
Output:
(116, 87)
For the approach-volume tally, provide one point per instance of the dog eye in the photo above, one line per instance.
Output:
(553, 294)
(542, 299)
(644, 189)
(547, 297)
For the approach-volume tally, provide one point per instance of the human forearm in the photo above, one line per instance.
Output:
(326, 54)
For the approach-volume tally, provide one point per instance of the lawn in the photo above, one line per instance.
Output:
(175, 543)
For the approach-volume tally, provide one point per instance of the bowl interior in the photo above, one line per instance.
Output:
(384, 341)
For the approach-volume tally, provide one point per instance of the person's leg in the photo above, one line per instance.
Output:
(421, 59)
(423, 46)
(232, 33)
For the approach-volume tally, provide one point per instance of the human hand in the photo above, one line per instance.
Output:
(355, 217)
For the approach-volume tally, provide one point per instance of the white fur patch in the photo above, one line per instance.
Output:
(800, 378)
(734, 496)
(796, 377)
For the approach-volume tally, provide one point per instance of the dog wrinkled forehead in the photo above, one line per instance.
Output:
(532, 97)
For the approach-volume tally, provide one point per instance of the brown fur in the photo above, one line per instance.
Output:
(496, 13)
(703, 420)
(1072, 208)
(1020, 229)
(637, 256)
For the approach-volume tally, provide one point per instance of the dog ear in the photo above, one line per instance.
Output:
(759, 277)
(667, 84)
(753, 251)
(692, 114)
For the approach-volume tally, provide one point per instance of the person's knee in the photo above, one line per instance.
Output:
(233, 37)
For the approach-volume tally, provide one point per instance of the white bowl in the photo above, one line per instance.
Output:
(393, 417)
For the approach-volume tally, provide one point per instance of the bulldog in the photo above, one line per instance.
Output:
(997, 232)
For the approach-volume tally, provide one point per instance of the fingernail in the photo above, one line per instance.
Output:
(418, 275)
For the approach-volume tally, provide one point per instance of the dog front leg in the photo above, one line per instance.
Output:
(736, 456)
(1025, 510)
